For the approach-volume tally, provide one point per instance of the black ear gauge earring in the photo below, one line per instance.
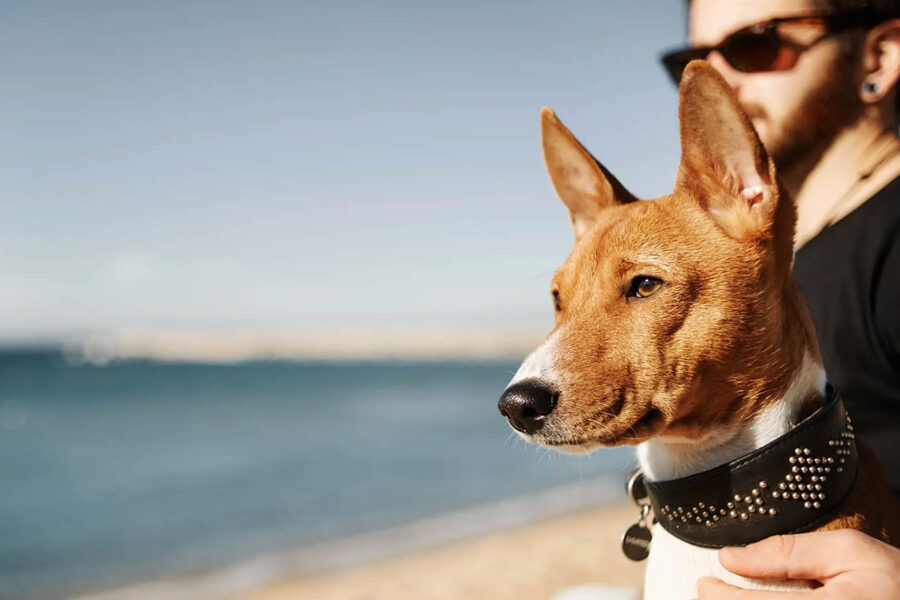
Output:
(870, 87)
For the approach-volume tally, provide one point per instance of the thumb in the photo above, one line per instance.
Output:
(819, 555)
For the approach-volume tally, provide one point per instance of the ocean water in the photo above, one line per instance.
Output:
(138, 470)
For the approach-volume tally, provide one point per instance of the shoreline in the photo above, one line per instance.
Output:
(539, 561)
(594, 499)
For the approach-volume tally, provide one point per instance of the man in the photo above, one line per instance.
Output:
(819, 79)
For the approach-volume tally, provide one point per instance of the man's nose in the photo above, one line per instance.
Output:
(526, 405)
(731, 75)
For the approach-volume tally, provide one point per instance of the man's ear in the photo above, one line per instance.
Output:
(581, 182)
(881, 64)
(724, 165)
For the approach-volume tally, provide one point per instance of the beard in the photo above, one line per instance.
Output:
(830, 106)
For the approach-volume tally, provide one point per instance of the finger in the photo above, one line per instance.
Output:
(710, 588)
(820, 555)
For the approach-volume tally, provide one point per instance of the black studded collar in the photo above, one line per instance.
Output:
(789, 485)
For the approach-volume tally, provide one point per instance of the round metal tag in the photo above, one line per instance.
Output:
(636, 542)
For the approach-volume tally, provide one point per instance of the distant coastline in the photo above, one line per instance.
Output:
(433, 343)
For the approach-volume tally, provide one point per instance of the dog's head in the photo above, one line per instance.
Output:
(672, 315)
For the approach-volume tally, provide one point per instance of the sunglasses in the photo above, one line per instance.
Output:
(762, 46)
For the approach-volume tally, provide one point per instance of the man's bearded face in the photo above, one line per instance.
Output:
(796, 112)
(829, 105)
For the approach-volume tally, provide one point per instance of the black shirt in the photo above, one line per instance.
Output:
(850, 275)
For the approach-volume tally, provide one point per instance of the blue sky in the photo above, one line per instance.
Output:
(297, 164)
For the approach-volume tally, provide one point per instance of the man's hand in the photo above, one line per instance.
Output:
(848, 563)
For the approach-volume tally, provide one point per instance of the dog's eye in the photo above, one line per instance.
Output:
(556, 305)
(644, 286)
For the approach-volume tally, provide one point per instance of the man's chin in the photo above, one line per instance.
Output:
(763, 130)
(783, 151)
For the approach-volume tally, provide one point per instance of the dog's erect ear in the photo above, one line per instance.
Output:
(724, 164)
(582, 183)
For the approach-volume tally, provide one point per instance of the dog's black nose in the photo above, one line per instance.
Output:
(526, 405)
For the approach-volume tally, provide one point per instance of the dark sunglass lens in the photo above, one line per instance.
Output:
(677, 62)
(674, 67)
(752, 51)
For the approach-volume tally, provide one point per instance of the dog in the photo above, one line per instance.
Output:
(679, 330)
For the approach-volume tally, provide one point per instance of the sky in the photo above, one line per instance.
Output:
(297, 165)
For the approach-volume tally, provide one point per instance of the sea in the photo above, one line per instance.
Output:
(138, 471)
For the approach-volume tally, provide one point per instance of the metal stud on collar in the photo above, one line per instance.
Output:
(802, 483)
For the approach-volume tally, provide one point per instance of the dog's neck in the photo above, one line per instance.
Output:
(670, 457)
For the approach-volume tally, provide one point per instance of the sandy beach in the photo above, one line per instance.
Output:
(533, 562)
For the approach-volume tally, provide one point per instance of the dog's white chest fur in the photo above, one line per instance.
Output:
(674, 567)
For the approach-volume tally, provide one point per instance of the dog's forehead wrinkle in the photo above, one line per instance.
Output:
(639, 261)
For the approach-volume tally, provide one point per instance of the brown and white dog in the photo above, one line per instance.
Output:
(678, 327)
